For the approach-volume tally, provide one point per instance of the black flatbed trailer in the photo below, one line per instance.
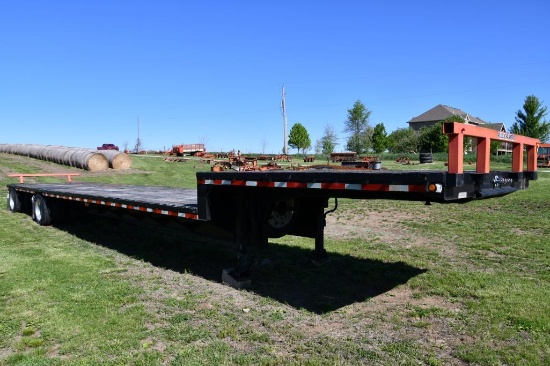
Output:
(319, 183)
(256, 205)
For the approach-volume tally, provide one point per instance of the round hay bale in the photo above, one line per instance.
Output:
(79, 158)
(96, 162)
(40, 153)
(67, 156)
(89, 160)
(16, 149)
(10, 148)
(55, 154)
(30, 150)
(117, 159)
(45, 153)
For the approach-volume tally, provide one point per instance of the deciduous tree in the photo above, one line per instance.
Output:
(298, 138)
(357, 125)
(329, 140)
(403, 140)
(379, 138)
(432, 139)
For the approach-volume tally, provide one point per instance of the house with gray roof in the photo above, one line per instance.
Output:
(438, 114)
(441, 112)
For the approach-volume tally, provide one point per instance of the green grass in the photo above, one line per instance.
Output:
(434, 285)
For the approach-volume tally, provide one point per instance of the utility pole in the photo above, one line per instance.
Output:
(283, 106)
(138, 142)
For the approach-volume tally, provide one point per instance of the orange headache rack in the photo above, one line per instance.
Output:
(457, 131)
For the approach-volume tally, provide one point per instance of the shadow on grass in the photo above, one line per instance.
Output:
(281, 272)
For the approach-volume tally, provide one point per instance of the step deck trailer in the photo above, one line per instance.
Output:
(257, 205)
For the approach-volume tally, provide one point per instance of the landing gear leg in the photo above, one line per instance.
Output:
(239, 276)
(320, 255)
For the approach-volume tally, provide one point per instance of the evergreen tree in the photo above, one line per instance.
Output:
(529, 122)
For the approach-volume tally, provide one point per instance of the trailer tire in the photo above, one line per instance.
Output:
(13, 201)
(281, 217)
(40, 210)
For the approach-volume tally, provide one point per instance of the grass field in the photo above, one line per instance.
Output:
(407, 284)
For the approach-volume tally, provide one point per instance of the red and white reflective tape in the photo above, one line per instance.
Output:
(119, 205)
(327, 186)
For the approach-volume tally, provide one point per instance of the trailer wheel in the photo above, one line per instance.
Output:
(40, 210)
(280, 218)
(14, 203)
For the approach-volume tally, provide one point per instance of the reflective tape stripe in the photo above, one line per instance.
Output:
(321, 185)
(120, 205)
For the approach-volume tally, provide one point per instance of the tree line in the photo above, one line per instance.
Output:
(363, 138)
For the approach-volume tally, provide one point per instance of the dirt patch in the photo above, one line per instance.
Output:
(368, 224)
(426, 321)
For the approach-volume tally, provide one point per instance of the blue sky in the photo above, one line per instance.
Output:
(80, 73)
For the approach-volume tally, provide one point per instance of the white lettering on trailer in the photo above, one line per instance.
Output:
(506, 136)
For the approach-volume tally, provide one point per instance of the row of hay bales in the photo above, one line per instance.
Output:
(88, 159)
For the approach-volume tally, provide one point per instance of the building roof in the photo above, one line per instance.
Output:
(440, 112)
(499, 126)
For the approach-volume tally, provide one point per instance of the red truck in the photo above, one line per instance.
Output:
(187, 149)
(107, 147)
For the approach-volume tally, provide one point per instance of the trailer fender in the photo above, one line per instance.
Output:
(40, 210)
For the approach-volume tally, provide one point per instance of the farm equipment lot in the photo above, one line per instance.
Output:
(407, 284)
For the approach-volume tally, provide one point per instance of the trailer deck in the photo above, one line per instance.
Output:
(177, 202)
